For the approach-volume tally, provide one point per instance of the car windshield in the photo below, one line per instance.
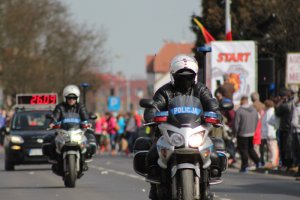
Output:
(30, 121)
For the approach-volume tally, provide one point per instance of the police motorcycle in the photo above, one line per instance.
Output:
(71, 146)
(186, 155)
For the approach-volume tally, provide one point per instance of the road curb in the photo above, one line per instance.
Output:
(267, 171)
(275, 172)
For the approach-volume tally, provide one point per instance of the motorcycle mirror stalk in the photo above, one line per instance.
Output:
(148, 103)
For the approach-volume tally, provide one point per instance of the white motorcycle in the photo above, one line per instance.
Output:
(186, 152)
(71, 146)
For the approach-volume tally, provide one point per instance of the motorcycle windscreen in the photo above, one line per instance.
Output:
(185, 111)
(71, 121)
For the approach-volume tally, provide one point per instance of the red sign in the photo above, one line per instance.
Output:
(37, 99)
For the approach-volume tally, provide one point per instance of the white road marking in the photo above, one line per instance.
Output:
(105, 171)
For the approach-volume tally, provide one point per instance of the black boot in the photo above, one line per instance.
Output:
(85, 166)
(210, 196)
(56, 168)
(154, 174)
(154, 171)
(206, 193)
(91, 146)
(152, 192)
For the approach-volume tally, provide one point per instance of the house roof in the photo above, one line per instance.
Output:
(160, 62)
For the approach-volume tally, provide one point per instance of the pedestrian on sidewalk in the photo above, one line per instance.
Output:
(284, 112)
(296, 127)
(269, 135)
(245, 123)
(112, 131)
(2, 126)
(259, 145)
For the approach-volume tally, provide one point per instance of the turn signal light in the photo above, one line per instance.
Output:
(212, 120)
(160, 119)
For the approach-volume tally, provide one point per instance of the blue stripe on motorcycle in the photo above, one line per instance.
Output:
(185, 110)
(71, 120)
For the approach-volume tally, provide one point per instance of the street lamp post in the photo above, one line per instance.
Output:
(84, 87)
(204, 49)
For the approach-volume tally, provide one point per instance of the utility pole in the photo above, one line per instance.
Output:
(228, 31)
(128, 97)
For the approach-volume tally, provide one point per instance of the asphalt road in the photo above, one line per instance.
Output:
(112, 178)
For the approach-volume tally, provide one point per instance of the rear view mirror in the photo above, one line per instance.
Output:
(226, 104)
(93, 116)
(146, 103)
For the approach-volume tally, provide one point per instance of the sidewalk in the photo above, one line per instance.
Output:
(263, 170)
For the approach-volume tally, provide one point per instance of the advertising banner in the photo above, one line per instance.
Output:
(237, 59)
(293, 69)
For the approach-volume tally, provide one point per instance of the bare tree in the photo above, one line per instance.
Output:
(43, 50)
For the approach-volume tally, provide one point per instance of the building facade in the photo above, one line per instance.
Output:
(158, 65)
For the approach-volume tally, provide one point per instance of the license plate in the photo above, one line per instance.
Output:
(35, 152)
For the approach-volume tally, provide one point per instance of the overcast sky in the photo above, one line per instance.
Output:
(136, 28)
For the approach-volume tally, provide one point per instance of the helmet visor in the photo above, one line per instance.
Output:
(185, 72)
(72, 96)
(184, 78)
(183, 83)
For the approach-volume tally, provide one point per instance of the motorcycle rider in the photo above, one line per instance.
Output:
(184, 81)
(68, 112)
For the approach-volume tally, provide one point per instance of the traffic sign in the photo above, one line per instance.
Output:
(114, 103)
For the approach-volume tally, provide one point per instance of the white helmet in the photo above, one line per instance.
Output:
(71, 91)
(181, 62)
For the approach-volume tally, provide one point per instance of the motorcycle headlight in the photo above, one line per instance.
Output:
(196, 139)
(76, 137)
(16, 139)
(177, 140)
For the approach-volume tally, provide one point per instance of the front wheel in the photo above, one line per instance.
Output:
(71, 173)
(187, 184)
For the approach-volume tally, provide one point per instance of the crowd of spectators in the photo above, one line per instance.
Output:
(266, 132)
(117, 133)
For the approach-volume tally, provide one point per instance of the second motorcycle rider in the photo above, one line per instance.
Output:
(71, 111)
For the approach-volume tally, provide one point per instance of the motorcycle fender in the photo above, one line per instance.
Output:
(185, 166)
(74, 153)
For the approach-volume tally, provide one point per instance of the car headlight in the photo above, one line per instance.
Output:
(16, 139)
(177, 140)
(196, 139)
(76, 137)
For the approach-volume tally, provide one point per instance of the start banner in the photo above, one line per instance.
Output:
(237, 59)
